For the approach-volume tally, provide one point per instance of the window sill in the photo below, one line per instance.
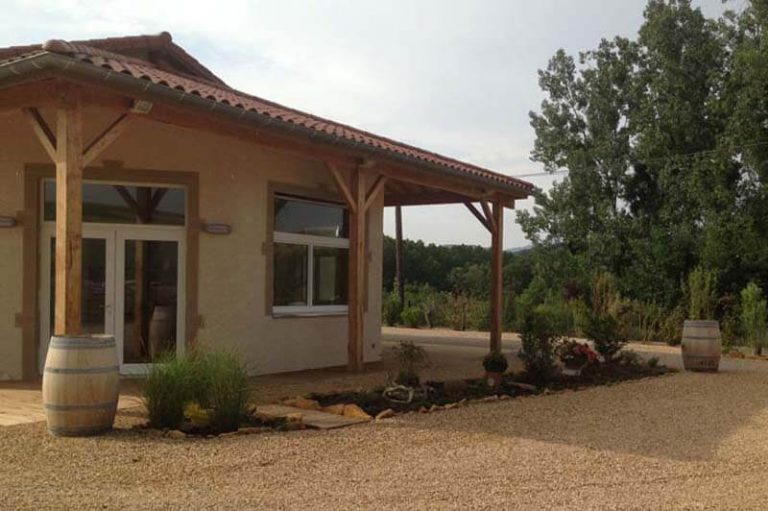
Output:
(307, 314)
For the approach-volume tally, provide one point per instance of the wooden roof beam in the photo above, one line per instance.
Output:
(42, 131)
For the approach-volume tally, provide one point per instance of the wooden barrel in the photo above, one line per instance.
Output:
(81, 384)
(161, 330)
(701, 345)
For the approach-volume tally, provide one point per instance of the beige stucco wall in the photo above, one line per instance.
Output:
(234, 177)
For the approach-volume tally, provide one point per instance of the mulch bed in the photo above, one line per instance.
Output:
(442, 393)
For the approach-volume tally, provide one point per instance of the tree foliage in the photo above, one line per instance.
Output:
(665, 143)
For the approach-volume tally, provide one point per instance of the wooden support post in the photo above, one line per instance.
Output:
(69, 208)
(356, 271)
(497, 283)
(399, 255)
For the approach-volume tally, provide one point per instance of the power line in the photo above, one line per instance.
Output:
(651, 160)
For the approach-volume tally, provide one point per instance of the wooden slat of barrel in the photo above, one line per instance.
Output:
(80, 385)
(701, 345)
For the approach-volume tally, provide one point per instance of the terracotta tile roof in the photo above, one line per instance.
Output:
(159, 42)
(218, 92)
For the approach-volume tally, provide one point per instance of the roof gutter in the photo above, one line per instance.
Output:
(47, 63)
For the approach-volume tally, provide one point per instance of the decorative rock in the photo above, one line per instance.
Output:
(451, 406)
(488, 399)
(435, 408)
(303, 403)
(734, 353)
(228, 434)
(264, 417)
(385, 414)
(463, 402)
(175, 434)
(155, 432)
(293, 422)
(355, 412)
(504, 397)
(335, 409)
(423, 409)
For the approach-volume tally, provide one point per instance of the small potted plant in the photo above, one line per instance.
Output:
(495, 364)
(575, 356)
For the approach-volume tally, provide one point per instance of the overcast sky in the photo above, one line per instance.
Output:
(453, 76)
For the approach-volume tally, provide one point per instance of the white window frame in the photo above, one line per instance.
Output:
(310, 241)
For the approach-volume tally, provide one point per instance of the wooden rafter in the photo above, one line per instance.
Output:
(107, 137)
(42, 130)
(376, 189)
(157, 197)
(483, 220)
(488, 215)
(338, 178)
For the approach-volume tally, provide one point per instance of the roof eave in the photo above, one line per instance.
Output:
(46, 64)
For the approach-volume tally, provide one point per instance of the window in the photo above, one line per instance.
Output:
(123, 204)
(311, 257)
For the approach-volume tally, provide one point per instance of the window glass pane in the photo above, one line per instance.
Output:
(150, 300)
(118, 204)
(330, 276)
(93, 285)
(315, 218)
(290, 274)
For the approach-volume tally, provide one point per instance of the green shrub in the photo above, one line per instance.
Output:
(653, 362)
(540, 341)
(753, 316)
(214, 380)
(412, 317)
(495, 362)
(457, 311)
(166, 390)
(410, 357)
(480, 315)
(731, 330)
(671, 327)
(629, 358)
(391, 307)
(702, 293)
(228, 392)
(645, 320)
(605, 332)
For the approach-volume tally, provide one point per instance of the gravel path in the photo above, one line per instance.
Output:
(683, 441)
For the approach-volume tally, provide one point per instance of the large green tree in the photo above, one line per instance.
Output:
(665, 146)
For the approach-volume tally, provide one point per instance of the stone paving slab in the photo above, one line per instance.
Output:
(22, 403)
(312, 418)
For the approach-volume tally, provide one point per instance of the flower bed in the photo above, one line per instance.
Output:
(445, 394)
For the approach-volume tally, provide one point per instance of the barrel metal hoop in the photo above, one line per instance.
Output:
(72, 408)
(79, 344)
(85, 370)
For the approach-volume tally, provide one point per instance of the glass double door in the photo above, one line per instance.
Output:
(132, 288)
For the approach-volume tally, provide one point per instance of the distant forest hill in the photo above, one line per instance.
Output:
(455, 268)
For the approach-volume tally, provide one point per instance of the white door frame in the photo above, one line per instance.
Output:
(114, 306)
(89, 231)
(148, 233)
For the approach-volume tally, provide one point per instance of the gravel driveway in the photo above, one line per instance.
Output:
(683, 441)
